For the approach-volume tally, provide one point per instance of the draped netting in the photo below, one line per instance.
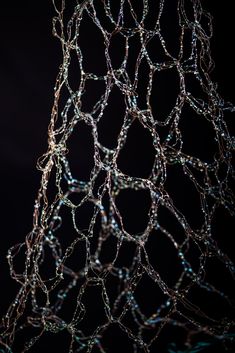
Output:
(82, 269)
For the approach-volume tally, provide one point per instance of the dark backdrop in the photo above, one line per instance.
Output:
(29, 62)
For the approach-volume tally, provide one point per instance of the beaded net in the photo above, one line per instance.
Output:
(88, 270)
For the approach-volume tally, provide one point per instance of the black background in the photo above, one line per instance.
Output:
(29, 61)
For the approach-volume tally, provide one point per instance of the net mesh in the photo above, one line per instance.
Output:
(85, 270)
